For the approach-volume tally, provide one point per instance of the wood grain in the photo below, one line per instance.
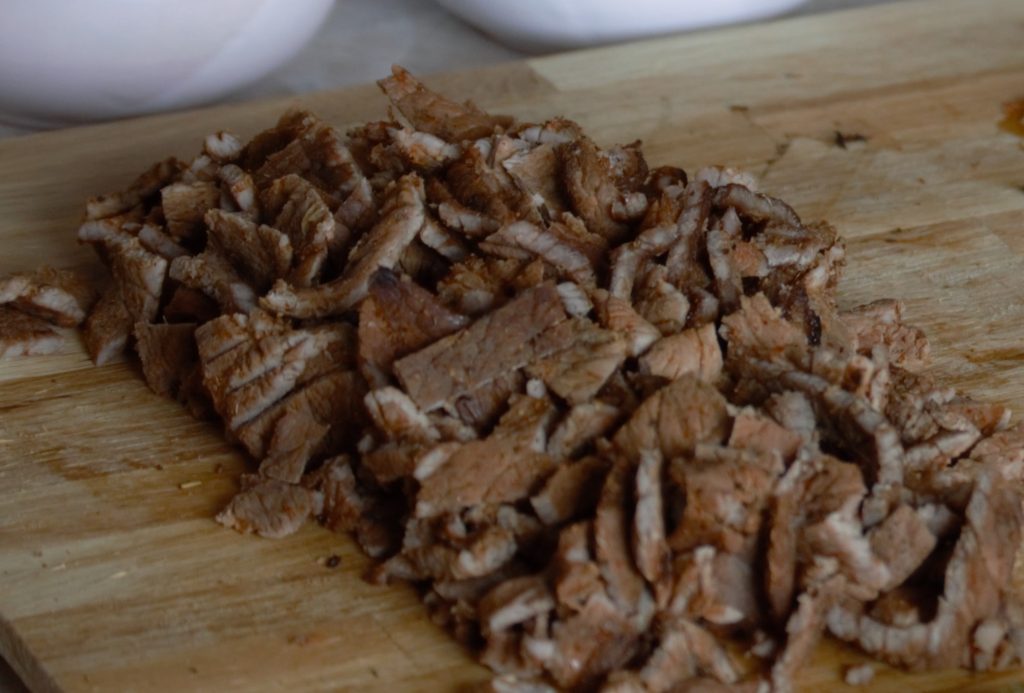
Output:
(114, 575)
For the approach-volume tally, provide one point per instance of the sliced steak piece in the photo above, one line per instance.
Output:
(62, 297)
(141, 190)
(515, 601)
(661, 303)
(619, 316)
(578, 373)
(758, 331)
(537, 172)
(598, 183)
(752, 430)
(421, 150)
(650, 550)
(505, 467)
(580, 426)
(571, 492)
(397, 318)
(721, 240)
(568, 247)
(302, 215)
(185, 205)
(398, 417)
(401, 219)
(684, 262)
(677, 229)
(139, 276)
(612, 542)
(694, 351)
(257, 371)
(155, 240)
(505, 340)
(755, 206)
(803, 631)
(586, 646)
(902, 542)
(260, 253)
(25, 335)
(675, 419)
(482, 406)
(297, 436)
(108, 327)
(726, 494)
(972, 592)
(211, 273)
(222, 146)
(430, 112)
(168, 355)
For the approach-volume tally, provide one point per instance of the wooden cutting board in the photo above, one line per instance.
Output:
(115, 577)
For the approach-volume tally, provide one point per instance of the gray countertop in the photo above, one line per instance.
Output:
(358, 44)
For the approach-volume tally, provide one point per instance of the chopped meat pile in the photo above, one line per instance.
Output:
(608, 418)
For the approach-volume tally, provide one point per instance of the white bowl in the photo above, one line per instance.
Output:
(74, 60)
(544, 25)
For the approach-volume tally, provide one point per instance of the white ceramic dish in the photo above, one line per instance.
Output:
(64, 61)
(544, 25)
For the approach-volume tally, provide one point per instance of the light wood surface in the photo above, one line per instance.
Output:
(113, 575)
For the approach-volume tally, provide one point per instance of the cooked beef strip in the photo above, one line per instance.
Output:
(168, 355)
(185, 205)
(301, 214)
(401, 219)
(26, 335)
(675, 419)
(397, 318)
(435, 114)
(62, 297)
(108, 327)
(506, 466)
(260, 253)
(509, 338)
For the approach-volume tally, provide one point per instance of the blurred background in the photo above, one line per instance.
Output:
(75, 69)
(107, 59)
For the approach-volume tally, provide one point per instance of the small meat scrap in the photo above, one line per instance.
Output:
(881, 324)
(611, 421)
(270, 508)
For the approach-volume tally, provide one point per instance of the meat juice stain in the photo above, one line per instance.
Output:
(1013, 118)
